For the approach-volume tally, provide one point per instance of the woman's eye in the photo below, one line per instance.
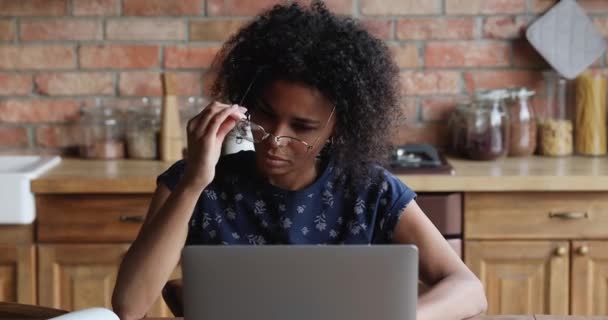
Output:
(299, 127)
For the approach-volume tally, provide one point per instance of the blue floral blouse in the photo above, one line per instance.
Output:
(240, 207)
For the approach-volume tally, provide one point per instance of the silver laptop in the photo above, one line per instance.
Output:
(300, 282)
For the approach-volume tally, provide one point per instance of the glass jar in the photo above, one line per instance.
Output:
(143, 129)
(555, 127)
(488, 126)
(522, 123)
(457, 126)
(102, 131)
(590, 129)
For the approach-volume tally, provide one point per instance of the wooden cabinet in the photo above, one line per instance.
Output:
(522, 277)
(17, 264)
(81, 242)
(539, 253)
(83, 276)
(590, 278)
(18, 273)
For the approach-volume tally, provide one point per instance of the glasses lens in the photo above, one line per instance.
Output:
(257, 132)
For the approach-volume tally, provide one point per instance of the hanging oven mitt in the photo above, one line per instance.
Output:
(567, 39)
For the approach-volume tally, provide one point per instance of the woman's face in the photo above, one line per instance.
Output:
(293, 110)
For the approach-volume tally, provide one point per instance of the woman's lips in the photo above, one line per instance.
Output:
(274, 161)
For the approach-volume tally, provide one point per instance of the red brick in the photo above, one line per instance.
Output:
(58, 136)
(504, 27)
(33, 111)
(37, 57)
(601, 23)
(181, 57)
(467, 54)
(439, 108)
(435, 28)
(409, 110)
(484, 6)
(524, 55)
(238, 7)
(405, 55)
(162, 7)
(399, 7)
(146, 29)
(61, 29)
(538, 6)
(7, 30)
(95, 7)
(590, 6)
(344, 7)
(497, 79)
(149, 84)
(75, 83)
(379, 28)
(119, 56)
(15, 84)
(430, 82)
(434, 133)
(13, 137)
(33, 7)
(214, 30)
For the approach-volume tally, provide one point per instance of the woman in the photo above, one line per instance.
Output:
(318, 96)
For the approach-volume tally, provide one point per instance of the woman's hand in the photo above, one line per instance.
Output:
(206, 133)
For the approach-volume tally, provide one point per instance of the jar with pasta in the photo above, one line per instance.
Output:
(590, 115)
(555, 127)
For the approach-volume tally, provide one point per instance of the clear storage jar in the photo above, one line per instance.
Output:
(143, 129)
(522, 123)
(488, 126)
(102, 131)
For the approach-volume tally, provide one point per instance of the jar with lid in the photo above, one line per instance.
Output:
(555, 127)
(102, 131)
(522, 123)
(143, 128)
(457, 126)
(488, 126)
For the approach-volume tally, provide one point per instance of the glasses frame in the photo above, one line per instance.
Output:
(277, 139)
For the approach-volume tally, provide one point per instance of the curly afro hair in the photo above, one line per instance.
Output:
(333, 54)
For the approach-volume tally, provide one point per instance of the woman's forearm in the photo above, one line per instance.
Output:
(453, 298)
(153, 255)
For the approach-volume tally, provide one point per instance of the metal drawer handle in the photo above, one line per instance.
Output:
(132, 218)
(569, 215)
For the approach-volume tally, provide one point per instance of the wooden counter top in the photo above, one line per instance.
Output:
(510, 174)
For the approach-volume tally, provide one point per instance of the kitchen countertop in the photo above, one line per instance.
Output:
(510, 174)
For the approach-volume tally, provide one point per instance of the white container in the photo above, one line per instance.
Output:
(16, 173)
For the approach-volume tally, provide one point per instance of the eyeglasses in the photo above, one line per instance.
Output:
(250, 131)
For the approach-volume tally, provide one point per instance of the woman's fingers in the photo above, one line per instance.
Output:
(214, 123)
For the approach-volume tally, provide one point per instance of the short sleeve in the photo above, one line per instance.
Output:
(397, 197)
(173, 175)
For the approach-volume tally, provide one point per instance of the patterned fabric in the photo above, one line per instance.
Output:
(240, 207)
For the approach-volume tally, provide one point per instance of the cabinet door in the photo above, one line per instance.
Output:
(590, 278)
(83, 276)
(18, 273)
(78, 276)
(522, 277)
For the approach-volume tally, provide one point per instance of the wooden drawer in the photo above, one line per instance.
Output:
(90, 218)
(444, 210)
(536, 215)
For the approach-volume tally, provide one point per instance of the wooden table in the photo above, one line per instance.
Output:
(506, 317)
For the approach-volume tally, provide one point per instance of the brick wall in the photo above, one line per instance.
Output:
(57, 55)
